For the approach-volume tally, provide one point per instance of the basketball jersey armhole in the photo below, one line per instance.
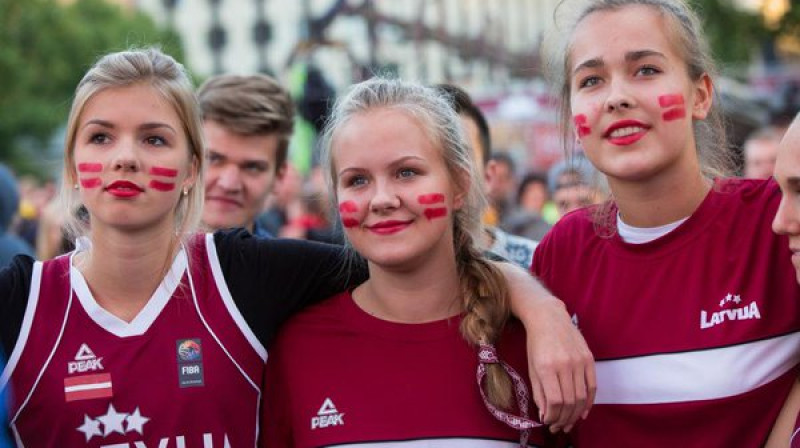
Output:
(227, 299)
(27, 323)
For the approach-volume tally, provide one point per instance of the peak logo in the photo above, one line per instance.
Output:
(327, 416)
(737, 312)
(85, 361)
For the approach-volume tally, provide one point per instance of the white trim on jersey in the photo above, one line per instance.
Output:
(434, 443)
(696, 375)
(13, 420)
(27, 323)
(147, 315)
(227, 299)
(227, 353)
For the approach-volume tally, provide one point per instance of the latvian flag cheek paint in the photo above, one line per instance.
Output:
(162, 172)
(85, 387)
(580, 125)
(674, 105)
(348, 207)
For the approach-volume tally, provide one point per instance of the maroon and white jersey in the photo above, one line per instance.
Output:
(695, 334)
(338, 376)
(185, 372)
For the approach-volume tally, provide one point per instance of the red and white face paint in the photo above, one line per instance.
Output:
(430, 199)
(90, 169)
(162, 172)
(346, 209)
(580, 125)
(673, 105)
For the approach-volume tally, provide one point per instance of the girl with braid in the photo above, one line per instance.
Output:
(396, 358)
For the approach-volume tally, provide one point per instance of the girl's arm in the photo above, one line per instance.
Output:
(560, 364)
(781, 434)
(15, 285)
(272, 279)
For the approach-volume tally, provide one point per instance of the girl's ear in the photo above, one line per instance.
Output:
(703, 97)
(194, 171)
(462, 185)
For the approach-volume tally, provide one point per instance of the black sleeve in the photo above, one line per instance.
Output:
(271, 279)
(15, 284)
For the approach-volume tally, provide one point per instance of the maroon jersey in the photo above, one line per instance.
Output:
(184, 373)
(695, 334)
(338, 376)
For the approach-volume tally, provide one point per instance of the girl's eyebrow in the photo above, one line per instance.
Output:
(633, 56)
(630, 56)
(143, 126)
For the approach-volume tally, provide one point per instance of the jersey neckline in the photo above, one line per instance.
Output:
(146, 316)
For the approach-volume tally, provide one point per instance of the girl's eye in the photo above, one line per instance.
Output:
(356, 181)
(589, 81)
(648, 70)
(155, 141)
(406, 173)
(99, 138)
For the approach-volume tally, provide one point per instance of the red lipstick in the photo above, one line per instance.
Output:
(388, 227)
(627, 137)
(124, 189)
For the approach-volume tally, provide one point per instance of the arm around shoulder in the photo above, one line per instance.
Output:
(560, 364)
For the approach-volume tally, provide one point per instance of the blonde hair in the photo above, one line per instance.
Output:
(711, 141)
(483, 289)
(126, 68)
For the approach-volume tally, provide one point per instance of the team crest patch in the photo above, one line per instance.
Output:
(189, 353)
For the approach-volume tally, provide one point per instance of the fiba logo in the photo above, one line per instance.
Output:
(189, 350)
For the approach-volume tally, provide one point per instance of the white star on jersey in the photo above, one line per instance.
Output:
(112, 421)
(136, 421)
(90, 428)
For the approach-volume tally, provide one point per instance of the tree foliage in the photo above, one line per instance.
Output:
(733, 34)
(45, 48)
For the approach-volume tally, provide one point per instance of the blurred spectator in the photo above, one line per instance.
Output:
(51, 238)
(10, 244)
(33, 198)
(760, 150)
(574, 183)
(514, 248)
(247, 122)
(501, 183)
(286, 191)
(526, 219)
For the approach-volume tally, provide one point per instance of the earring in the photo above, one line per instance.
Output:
(75, 186)
(185, 191)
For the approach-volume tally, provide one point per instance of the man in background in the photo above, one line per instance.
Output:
(760, 152)
(247, 123)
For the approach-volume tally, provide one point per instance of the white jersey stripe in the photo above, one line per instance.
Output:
(82, 387)
(27, 323)
(227, 299)
(434, 443)
(697, 375)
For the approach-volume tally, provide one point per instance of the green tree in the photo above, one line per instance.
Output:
(733, 34)
(45, 48)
